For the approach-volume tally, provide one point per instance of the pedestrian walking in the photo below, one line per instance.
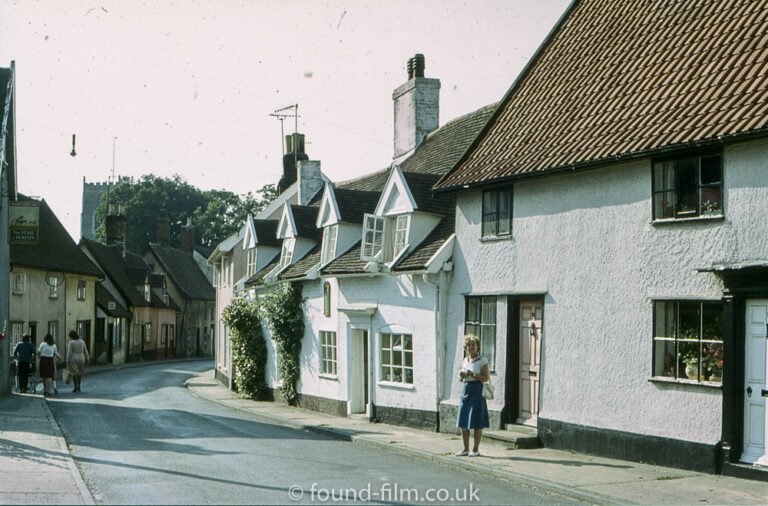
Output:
(48, 355)
(77, 358)
(473, 410)
(24, 353)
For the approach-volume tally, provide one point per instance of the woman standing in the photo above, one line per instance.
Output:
(473, 411)
(48, 356)
(77, 358)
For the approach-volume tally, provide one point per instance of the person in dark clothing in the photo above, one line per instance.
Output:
(25, 355)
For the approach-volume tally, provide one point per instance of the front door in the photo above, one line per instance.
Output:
(755, 427)
(530, 361)
(358, 378)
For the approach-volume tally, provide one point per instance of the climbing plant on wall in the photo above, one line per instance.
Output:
(282, 307)
(249, 349)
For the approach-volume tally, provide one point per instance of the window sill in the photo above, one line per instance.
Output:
(332, 377)
(399, 386)
(667, 221)
(686, 382)
(495, 238)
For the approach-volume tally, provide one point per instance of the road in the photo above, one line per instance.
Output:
(139, 437)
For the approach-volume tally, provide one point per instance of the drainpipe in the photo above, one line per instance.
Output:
(441, 303)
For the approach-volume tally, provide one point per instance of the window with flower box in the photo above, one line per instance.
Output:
(688, 187)
(687, 340)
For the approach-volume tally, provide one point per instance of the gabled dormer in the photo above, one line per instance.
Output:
(340, 218)
(396, 225)
(260, 244)
(298, 233)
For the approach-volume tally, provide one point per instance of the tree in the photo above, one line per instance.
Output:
(215, 214)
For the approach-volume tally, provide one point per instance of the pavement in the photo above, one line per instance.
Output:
(37, 468)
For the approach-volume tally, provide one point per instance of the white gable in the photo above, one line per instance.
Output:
(396, 197)
(329, 208)
(249, 240)
(287, 227)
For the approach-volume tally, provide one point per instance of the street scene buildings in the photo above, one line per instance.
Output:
(599, 229)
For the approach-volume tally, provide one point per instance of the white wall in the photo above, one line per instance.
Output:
(586, 241)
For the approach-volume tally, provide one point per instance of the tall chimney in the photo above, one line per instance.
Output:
(294, 152)
(163, 230)
(417, 107)
(188, 237)
(117, 228)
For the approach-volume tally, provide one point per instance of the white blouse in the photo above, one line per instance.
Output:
(47, 350)
(476, 367)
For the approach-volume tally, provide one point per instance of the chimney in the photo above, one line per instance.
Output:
(310, 180)
(163, 230)
(416, 108)
(294, 152)
(117, 228)
(188, 237)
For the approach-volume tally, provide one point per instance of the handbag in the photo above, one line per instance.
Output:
(488, 390)
(66, 376)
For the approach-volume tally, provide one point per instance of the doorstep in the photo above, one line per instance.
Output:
(745, 471)
(521, 436)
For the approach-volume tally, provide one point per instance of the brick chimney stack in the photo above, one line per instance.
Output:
(294, 153)
(163, 230)
(417, 107)
(117, 228)
(188, 237)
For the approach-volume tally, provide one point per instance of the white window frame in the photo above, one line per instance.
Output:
(251, 262)
(53, 330)
(81, 289)
(402, 226)
(393, 349)
(330, 234)
(286, 255)
(148, 332)
(482, 324)
(328, 353)
(17, 332)
(374, 237)
(147, 292)
(53, 288)
(19, 283)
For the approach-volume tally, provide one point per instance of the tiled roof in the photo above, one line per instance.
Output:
(347, 263)
(104, 299)
(418, 258)
(303, 266)
(124, 273)
(624, 78)
(305, 218)
(266, 232)
(353, 204)
(374, 181)
(426, 200)
(184, 272)
(55, 251)
(257, 278)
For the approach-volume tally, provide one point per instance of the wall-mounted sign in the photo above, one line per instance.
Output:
(24, 222)
(111, 306)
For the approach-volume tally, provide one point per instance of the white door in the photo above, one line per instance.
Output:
(755, 427)
(358, 371)
(530, 361)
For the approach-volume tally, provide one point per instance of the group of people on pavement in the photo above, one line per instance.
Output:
(47, 355)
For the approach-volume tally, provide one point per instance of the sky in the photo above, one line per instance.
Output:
(187, 87)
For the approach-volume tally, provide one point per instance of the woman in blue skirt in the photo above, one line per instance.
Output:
(473, 412)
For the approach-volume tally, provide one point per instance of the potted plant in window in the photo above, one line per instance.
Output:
(689, 355)
(710, 207)
(712, 356)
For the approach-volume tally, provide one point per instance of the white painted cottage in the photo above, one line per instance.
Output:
(610, 241)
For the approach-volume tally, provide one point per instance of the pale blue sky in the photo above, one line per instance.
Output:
(187, 86)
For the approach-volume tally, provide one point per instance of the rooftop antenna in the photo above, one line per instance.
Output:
(109, 179)
(281, 114)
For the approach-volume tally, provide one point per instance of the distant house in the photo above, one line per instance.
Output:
(189, 287)
(53, 284)
(609, 236)
(150, 332)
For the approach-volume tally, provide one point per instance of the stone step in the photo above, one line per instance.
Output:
(519, 436)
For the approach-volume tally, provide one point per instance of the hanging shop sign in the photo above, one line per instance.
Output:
(24, 222)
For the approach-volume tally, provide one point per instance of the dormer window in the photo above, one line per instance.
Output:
(166, 300)
(329, 243)
(384, 238)
(286, 256)
(251, 262)
(147, 292)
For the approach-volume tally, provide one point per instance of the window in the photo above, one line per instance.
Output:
(481, 322)
(84, 330)
(688, 187)
(329, 243)
(53, 330)
(397, 358)
(53, 287)
(147, 292)
(327, 298)
(136, 334)
(19, 282)
(251, 262)
(328, 362)
(225, 263)
(148, 332)
(286, 256)
(497, 213)
(373, 236)
(401, 233)
(80, 289)
(117, 337)
(687, 340)
(17, 329)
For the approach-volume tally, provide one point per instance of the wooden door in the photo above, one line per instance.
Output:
(755, 426)
(530, 361)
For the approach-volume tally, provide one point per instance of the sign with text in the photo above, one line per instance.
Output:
(24, 222)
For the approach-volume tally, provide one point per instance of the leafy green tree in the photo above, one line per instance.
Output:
(216, 214)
